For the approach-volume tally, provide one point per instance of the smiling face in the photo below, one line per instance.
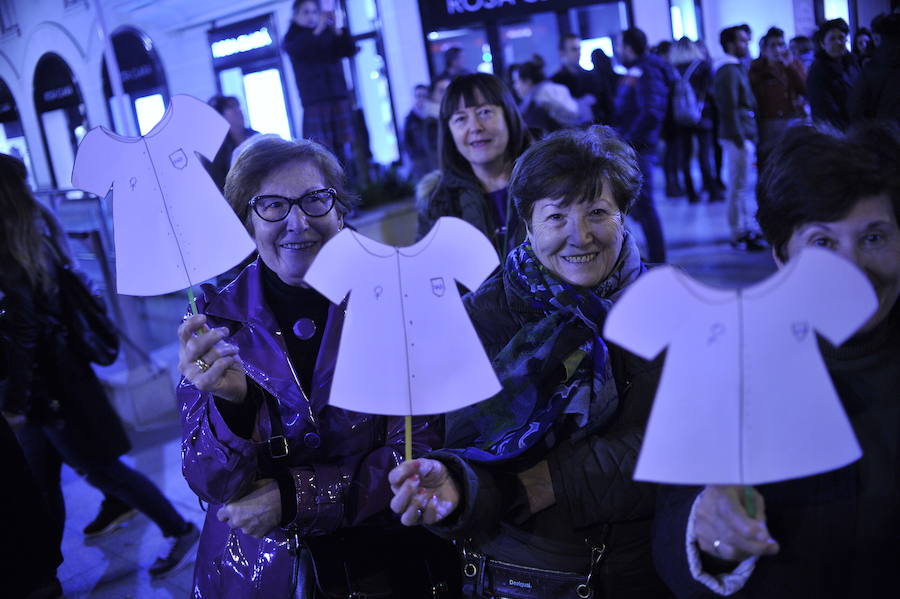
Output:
(869, 237)
(579, 242)
(289, 246)
(480, 132)
(835, 43)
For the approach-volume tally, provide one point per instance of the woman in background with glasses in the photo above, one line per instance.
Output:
(261, 445)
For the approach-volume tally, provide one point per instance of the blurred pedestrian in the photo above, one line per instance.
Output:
(316, 49)
(832, 75)
(642, 101)
(737, 133)
(779, 86)
(420, 134)
(68, 417)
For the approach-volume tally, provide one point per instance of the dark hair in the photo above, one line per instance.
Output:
(20, 238)
(818, 173)
(434, 83)
(839, 24)
(729, 35)
(887, 26)
(803, 42)
(298, 3)
(573, 165)
(451, 55)
(566, 37)
(265, 155)
(531, 70)
(663, 48)
(635, 39)
(221, 103)
(772, 33)
(599, 57)
(467, 88)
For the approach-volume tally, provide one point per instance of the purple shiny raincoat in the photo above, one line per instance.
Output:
(339, 460)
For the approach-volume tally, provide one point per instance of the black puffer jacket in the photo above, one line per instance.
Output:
(876, 94)
(317, 62)
(591, 471)
(828, 84)
(445, 194)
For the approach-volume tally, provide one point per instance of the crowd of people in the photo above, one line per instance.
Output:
(534, 486)
(740, 106)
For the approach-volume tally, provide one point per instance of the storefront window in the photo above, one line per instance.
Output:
(598, 26)
(12, 136)
(248, 67)
(538, 34)
(685, 19)
(473, 42)
(371, 82)
(143, 80)
(61, 113)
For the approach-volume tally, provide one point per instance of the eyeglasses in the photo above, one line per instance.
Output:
(274, 208)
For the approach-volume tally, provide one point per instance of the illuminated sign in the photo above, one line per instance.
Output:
(444, 14)
(242, 43)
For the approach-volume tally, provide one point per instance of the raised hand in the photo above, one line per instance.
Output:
(208, 362)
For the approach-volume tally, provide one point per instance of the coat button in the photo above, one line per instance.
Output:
(312, 440)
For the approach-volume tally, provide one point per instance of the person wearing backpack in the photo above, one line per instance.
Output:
(691, 112)
(778, 82)
(642, 100)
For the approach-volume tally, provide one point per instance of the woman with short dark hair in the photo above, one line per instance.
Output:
(536, 485)
(832, 534)
(480, 135)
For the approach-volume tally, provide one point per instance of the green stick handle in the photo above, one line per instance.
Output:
(408, 438)
(192, 300)
(749, 502)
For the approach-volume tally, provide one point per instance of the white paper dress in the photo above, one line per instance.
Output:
(744, 396)
(407, 346)
(172, 227)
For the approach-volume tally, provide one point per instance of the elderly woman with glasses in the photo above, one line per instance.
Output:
(276, 464)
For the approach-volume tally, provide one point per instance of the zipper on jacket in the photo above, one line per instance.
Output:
(294, 373)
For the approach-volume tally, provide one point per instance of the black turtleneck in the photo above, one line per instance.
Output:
(290, 304)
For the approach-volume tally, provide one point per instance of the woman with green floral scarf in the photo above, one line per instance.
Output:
(535, 484)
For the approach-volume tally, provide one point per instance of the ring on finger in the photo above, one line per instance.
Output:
(420, 513)
(716, 544)
(201, 364)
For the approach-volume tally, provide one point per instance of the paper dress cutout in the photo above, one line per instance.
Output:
(407, 346)
(744, 396)
(172, 227)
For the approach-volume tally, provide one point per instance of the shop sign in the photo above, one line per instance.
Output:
(447, 14)
(242, 42)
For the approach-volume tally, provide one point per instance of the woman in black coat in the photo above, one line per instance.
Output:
(67, 415)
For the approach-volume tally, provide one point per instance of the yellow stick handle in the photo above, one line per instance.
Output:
(408, 438)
